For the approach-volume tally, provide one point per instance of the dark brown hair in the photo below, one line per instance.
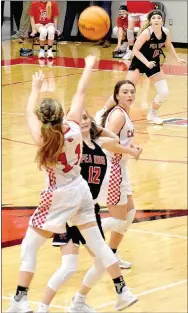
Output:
(50, 113)
(116, 92)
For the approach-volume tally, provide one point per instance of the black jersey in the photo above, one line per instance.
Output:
(151, 50)
(93, 167)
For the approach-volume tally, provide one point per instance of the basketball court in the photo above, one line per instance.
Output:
(156, 243)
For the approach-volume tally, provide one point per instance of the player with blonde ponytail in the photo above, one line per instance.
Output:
(44, 15)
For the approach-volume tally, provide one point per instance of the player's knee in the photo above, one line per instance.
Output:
(120, 226)
(43, 33)
(68, 268)
(98, 246)
(51, 32)
(130, 217)
(30, 246)
(162, 91)
(115, 31)
(94, 274)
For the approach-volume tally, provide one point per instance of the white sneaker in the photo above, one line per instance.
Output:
(43, 308)
(98, 116)
(153, 117)
(79, 306)
(124, 46)
(50, 54)
(21, 306)
(41, 53)
(125, 299)
(128, 55)
(123, 264)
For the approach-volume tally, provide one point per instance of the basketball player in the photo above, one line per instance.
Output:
(152, 38)
(93, 169)
(116, 186)
(67, 195)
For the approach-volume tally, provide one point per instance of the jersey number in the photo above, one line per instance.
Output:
(156, 53)
(94, 173)
(63, 159)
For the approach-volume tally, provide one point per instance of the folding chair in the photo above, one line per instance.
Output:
(36, 42)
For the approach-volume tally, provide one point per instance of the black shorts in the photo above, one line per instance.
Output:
(74, 233)
(143, 69)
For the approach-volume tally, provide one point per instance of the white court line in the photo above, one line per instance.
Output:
(81, 68)
(156, 233)
(35, 302)
(146, 292)
(11, 113)
(112, 302)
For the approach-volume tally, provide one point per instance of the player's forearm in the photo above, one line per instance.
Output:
(140, 56)
(55, 22)
(120, 35)
(32, 23)
(171, 49)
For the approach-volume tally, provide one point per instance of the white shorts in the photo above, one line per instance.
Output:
(137, 17)
(38, 26)
(116, 186)
(72, 203)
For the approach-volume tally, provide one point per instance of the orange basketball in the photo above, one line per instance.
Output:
(94, 23)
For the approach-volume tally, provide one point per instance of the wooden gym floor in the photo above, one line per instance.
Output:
(156, 244)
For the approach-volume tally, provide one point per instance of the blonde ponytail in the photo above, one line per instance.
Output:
(146, 25)
(49, 9)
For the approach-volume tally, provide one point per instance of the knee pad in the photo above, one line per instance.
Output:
(43, 33)
(162, 91)
(130, 217)
(115, 31)
(114, 224)
(98, 246)
(130, 34)
(68, 268)
(29, 248)
(51, 32)
(94, 274)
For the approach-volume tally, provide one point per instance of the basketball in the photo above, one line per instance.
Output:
(94, 23)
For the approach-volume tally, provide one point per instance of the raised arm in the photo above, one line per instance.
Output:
(75, 112)
(33, 122)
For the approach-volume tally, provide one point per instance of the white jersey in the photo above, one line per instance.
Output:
(68, 167)
(125, 135)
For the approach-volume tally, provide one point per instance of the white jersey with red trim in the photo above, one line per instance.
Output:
(68, 167)
(125, 135)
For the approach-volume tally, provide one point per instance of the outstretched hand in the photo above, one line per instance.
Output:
(37, 80)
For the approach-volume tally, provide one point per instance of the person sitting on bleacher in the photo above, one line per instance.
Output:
(120, 31)
(44, 16)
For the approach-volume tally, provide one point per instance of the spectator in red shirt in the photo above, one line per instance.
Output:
(44, 16)
(138, 11)
(121, 32)
(121, 29)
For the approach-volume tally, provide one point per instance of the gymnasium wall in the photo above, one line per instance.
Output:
(176, 11)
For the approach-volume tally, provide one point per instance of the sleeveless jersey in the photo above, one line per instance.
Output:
(93, 167)
(151, 48)
(68, 166)
(125, 135)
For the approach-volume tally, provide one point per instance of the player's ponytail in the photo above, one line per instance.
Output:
(49, 9)
(146, 25)
(50, 113)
